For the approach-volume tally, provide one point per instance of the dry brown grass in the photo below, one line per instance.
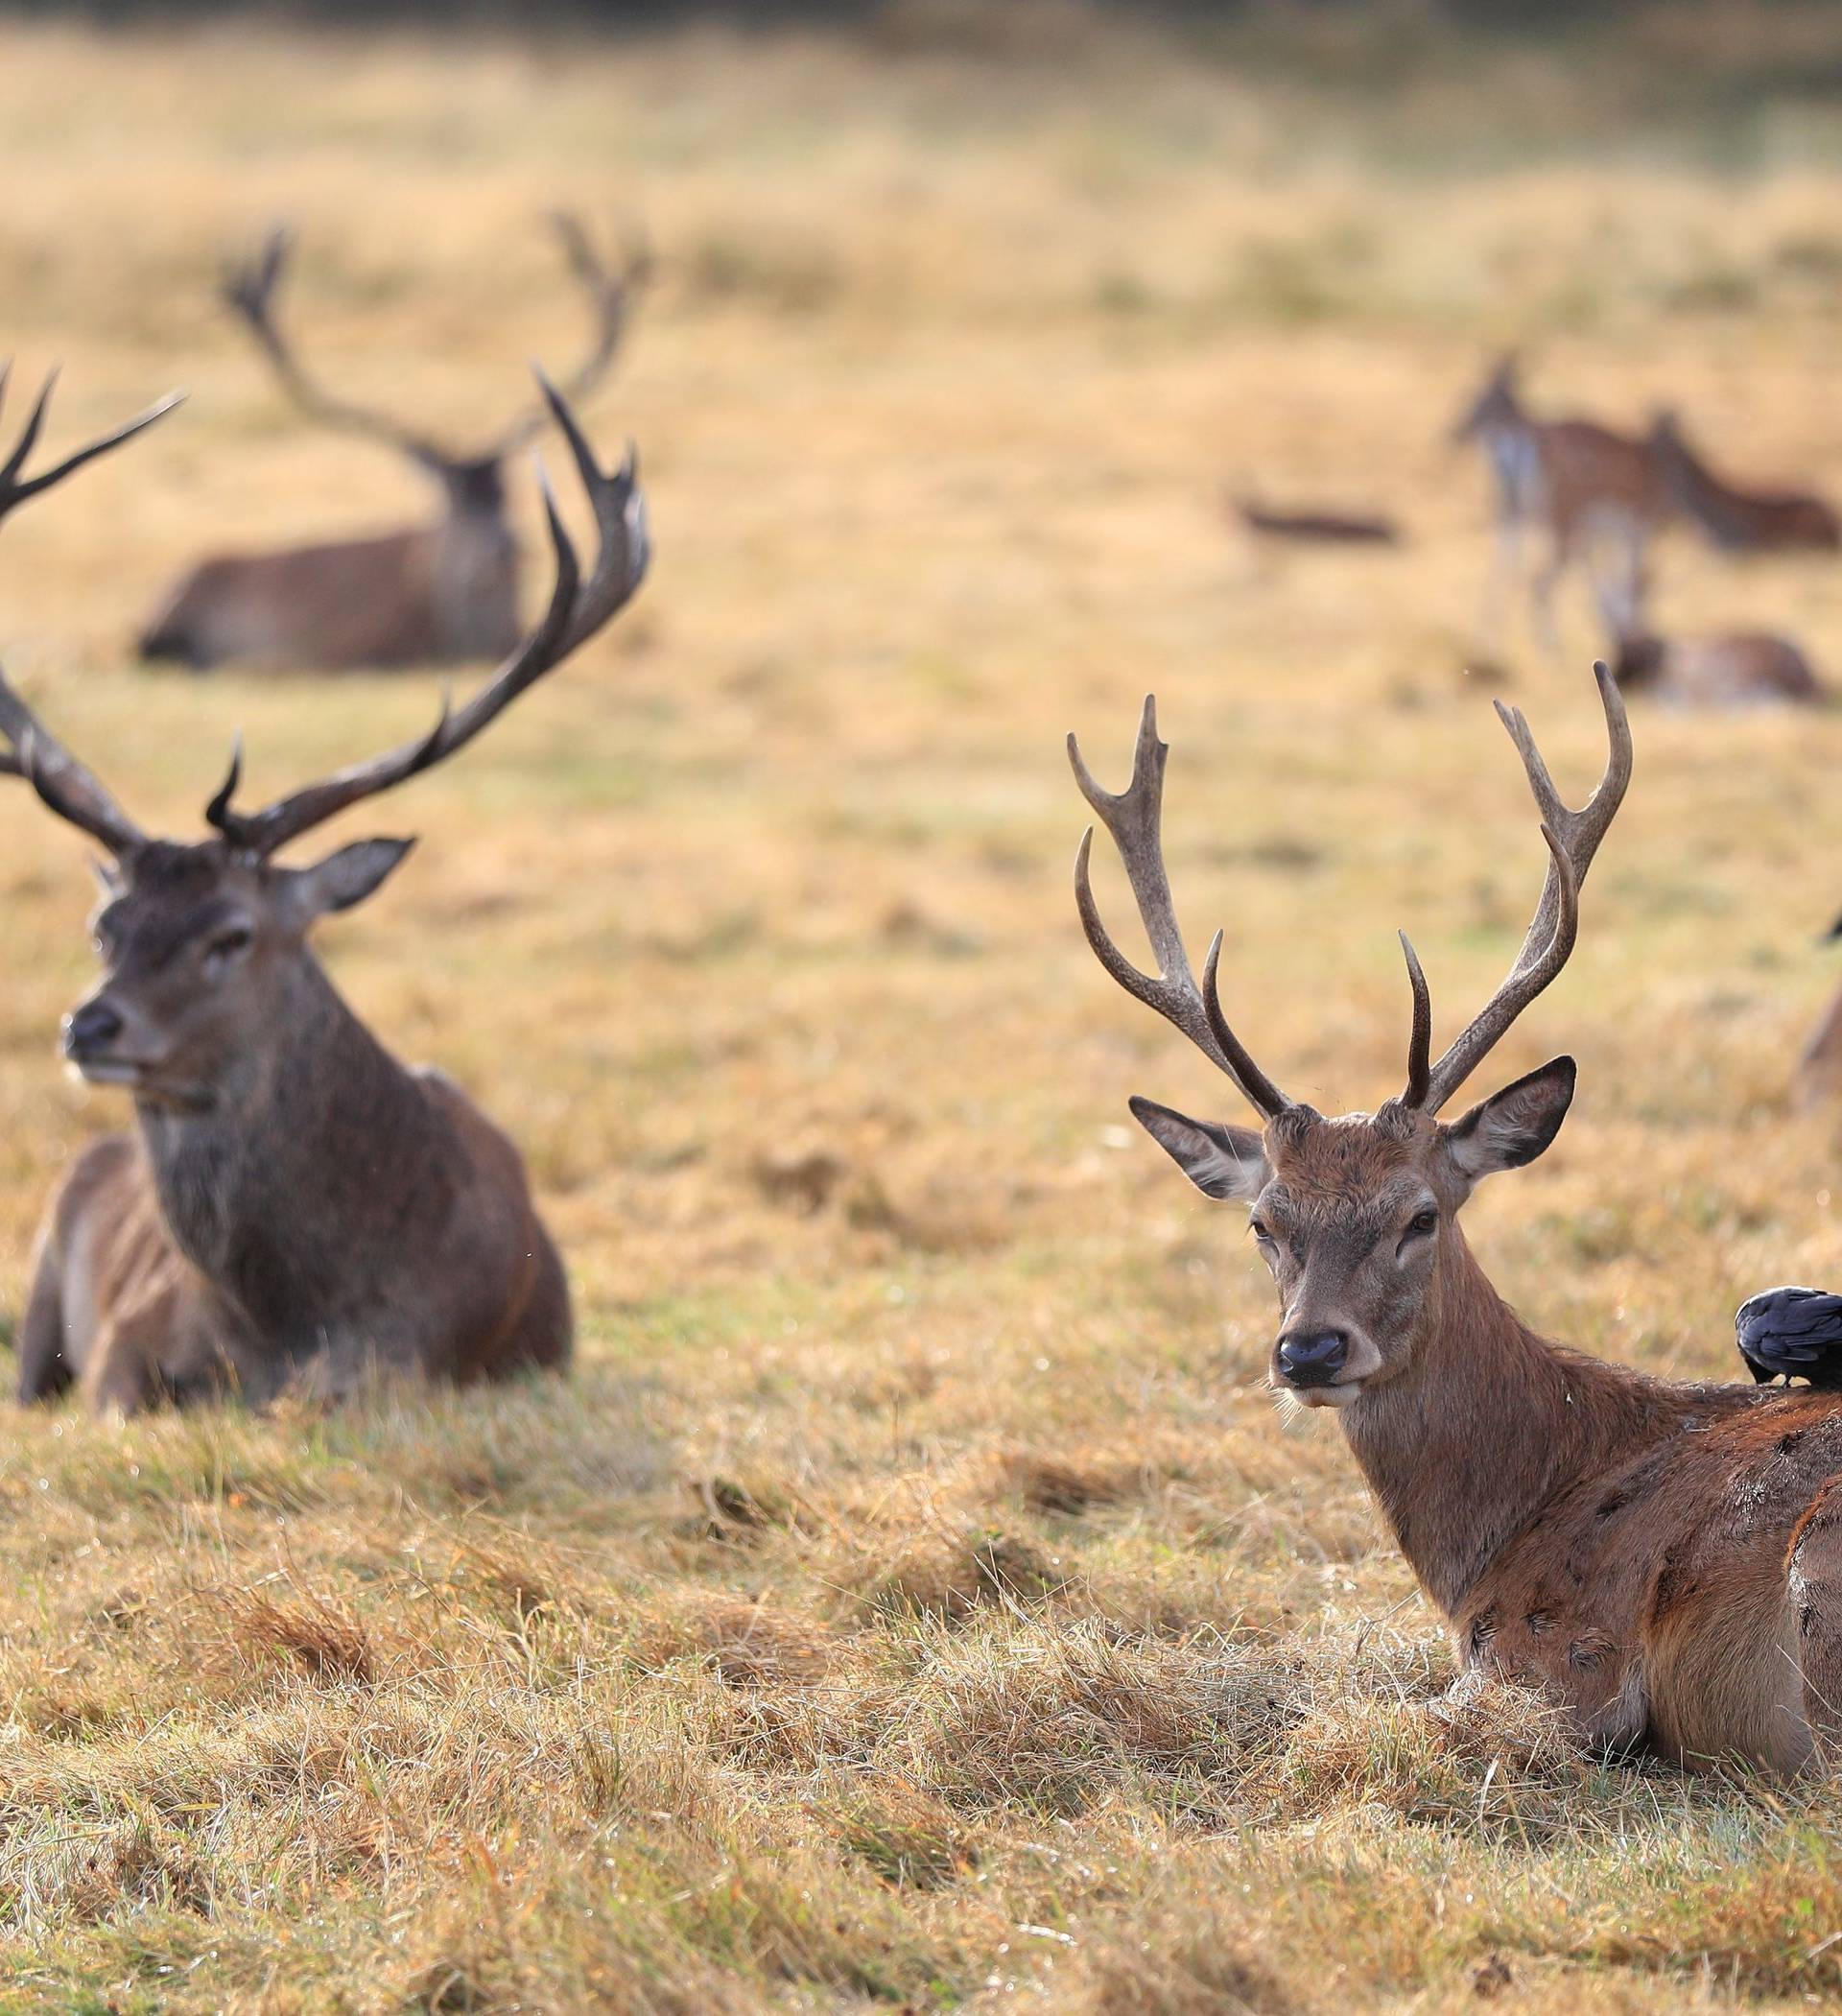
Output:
(912, 1600)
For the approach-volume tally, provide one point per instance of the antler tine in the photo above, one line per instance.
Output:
(248, 291)
(577, 610)
(1420, 1037)
(15, 490)
(610, 295)
(1134, 819)
(1573, 838)
(71, 791)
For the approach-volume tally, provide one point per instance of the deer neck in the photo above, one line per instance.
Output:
(286, 1189)
(1485, 1425)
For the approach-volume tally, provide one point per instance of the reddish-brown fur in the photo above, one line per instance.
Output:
(1742, 519)
(1730, 669)
(1596, 498)
(1662, 1560)
(1620, 1542)
(443, 593)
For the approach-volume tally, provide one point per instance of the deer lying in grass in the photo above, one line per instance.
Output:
(1664, 1561)
(1728, 670)
(1594, 498)
(1738, 519)
(1315, 527)
(432, 594)
(294, 1201)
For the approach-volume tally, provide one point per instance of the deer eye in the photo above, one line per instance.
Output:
(227, 944)
(1263, 1232)
(1421, 1225)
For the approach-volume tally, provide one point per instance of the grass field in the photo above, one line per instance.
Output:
(914, 1597)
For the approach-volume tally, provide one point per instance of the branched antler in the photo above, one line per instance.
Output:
(1573, 839)
(248, 290)
(16, 487)
(577, 610)
(1134, 817)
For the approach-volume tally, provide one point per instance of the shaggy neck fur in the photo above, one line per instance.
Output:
(290, 1192)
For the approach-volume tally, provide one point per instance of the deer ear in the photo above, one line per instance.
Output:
(1514, 1125)
(344, 878)
(1220, 1161)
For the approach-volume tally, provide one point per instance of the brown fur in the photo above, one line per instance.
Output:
(1738, 518)
(294, 1202)
(1664, 1561)
(442, 594)
(1739, 669)
(1594, 497)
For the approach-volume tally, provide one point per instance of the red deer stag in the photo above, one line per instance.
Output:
(1736, 519)
(441, 593)
(294, 1201)
(1594, 498)
(1664, 1561)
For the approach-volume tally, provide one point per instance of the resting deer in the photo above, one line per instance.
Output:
(1729, 669)
(293, 1199)
(1595, 498)
(1736, 519)
(1663, 1560)
(441, 593)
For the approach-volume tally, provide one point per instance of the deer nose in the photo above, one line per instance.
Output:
(1313, 1358)
(91, 1028)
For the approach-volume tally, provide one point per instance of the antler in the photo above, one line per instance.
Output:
(70, 790)
(1573, 839)
(248, 290)
(577, 610)
(15, 489)
(610, 295)
(1134, 817)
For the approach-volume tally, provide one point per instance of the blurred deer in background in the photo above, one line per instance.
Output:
(1663, 1560)
(294, 1201)
(1730, 670)
(1594, 499)
(1736, 519)
(17, 486)
(1818, 1080)
(433, 594)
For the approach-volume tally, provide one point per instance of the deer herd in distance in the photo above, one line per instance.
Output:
(294, 1208)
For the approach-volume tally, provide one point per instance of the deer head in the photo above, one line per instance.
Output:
(1498, 405)
(472, 482)
(204, 942)
(1356, 1215)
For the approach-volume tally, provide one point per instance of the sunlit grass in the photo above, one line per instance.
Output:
(912, 1600)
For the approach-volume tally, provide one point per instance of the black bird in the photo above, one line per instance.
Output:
(1793, 1331)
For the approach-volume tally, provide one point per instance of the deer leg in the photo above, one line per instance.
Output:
(44, 1371)
(1813, 1578)
(1505, 559)
(1540, 596)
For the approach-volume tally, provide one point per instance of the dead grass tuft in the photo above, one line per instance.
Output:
(954, 1572)
(310, 1634)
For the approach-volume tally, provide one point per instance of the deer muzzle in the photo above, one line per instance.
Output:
(93, 1042)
